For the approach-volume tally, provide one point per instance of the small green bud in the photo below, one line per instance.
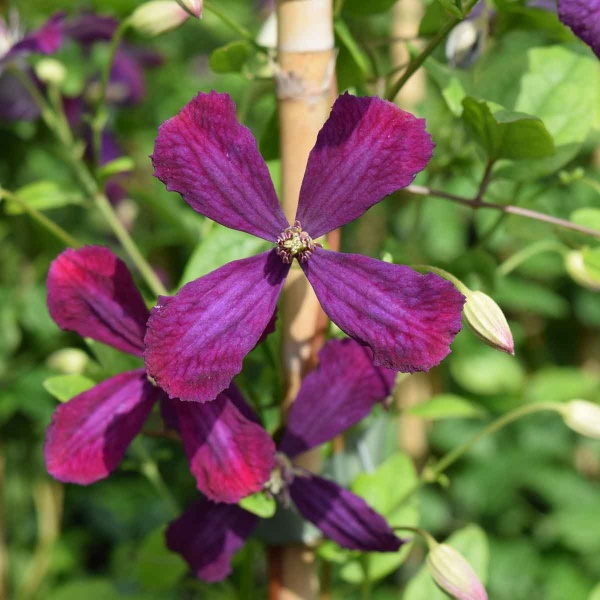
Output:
(487, 321)
(51, 71)
(579, 272)
(70, 361)
(157, 16)
(453, 574)
(583, 417)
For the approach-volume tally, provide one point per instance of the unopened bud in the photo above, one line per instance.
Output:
(576, 268)
(158, 16)
(50, 71)
(191, 7)
(453, 574)
(583, 417)
(70, 361)
(487, 321)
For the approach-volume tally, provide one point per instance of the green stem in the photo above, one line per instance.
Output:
(431, 542)
(366, 582)
(518, 258)
(239, 29)
(418, 61)
(45, 222)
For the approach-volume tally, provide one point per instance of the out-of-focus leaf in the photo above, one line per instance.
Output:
(119, 165)
(587, 217)
(156, 567)
(230, 58)
(452, 84)
(65, 387)
(43, 195)
(454, 7)
(471, 542)
(363, 9)
(358, 56)
(446, 406)
(595, 595)
(517, 294)
(560, 384)
(507, 134)
(259, 504)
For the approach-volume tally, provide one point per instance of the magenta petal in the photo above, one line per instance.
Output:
(230, 456)
(207, 535)
(583, 17)
(45, 40)
(212, 160)
(91, 291)
(407, 319)
(367, 149)
(196, 341)
(341, 515)
(89, 434)
(340, 392)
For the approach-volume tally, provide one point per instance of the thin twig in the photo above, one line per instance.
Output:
(510, 209)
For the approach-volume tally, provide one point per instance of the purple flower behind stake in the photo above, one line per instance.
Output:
(339, 393)
(196, 341)
(91, 291)
(583, 17)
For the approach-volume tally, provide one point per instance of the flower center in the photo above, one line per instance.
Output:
(281, 478)
(295, 242)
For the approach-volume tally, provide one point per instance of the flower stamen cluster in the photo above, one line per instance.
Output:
(295, 242)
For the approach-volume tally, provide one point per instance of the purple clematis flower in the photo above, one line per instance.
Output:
(15, 101)
(339, 393)
(583, 17)
(91, 291)
(196, 341)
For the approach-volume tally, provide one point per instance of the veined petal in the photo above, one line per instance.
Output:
(46, 40)
(91, 291)
(340, 392)
(367, 149)
(341, 515)
(407, 319)
(196, 341)
(230, 456)
(583, 17)
(89, 434)
(212, 160)
(207, 535)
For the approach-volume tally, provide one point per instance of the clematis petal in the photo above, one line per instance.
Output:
(230, 456)
(207, 535)
(16, 103)
(212, 160)
(407, 319)
(340, 392)
(196, 341)
(90, 27)
(341, 515)
(91, 291)
(583, 17)
(367, 149)
(46, 40)
(89, 434)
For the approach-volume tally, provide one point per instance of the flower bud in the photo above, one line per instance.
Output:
(50, 71)
(453, 574)
(158, 16)
(192, 7)
(583, 417)
(576, 268)
(487, 321)
(71, 361)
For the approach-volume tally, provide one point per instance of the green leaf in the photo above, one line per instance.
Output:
(595, 595)
(560, 384)
(90, 589)
(506, 134)
(43, 195)
(446, 406)
(454, 7)
(155, 566)
(119, 165)
(259, 504)
(472, 543)
(591, 261)
(347, 41)
(452, 83)
(587, 217)
(220, 246)
(65, 387)
(372, 7)
(230, 58)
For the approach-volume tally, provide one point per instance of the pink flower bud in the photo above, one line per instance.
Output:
(487, 321)
(192, 7)
(453, 574)
(158, 16)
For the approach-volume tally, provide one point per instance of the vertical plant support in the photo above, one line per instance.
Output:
(306, 64)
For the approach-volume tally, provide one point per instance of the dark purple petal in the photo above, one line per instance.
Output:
(583, 17)
(230, 456)
(212, 160)
(407, 319)
(196, 341)
(207, 535)
(340, 392)
(91, 291)
(367, 149)
(89, 434)
(341, 515)
(15, 101)
(90, 27)
(45, 40)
